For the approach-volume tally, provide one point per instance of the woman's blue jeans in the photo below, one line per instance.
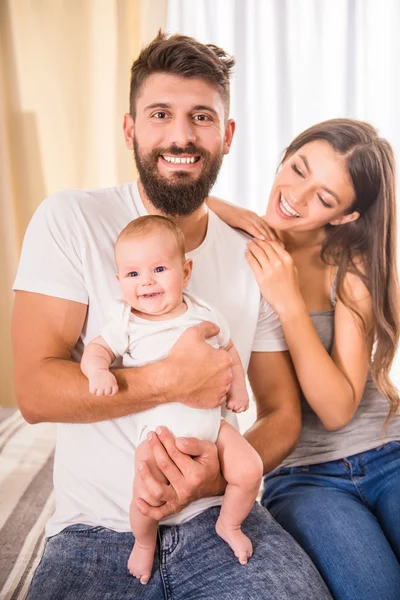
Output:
(346, 516)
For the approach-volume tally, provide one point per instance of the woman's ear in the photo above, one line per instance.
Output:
(346, 218)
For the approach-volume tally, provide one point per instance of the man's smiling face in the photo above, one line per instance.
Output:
(179, 137)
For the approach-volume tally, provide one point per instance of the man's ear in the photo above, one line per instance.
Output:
(128, 127)
(187, 271)
(346, 218)
(229, 132)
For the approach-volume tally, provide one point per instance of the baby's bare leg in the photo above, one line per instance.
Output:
(143, 528)
(242, 468)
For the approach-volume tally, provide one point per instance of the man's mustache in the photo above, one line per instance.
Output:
(175, 150)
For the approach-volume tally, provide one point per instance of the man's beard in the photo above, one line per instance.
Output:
(181, 195)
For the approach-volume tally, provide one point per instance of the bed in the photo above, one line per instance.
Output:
(26, 499)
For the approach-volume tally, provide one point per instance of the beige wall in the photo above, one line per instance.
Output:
(64, 83)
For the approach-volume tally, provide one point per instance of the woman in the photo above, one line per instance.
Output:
(331, 276)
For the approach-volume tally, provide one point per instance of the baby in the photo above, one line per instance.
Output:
(153, 272)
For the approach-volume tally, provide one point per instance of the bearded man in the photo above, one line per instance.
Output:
(178, 129)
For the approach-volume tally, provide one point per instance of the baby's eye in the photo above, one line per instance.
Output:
(159, 269)
(133, 274)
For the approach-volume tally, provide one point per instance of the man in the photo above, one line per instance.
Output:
(179, 130)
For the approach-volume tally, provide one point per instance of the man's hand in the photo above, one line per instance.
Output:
(191, 467)
(198, 375)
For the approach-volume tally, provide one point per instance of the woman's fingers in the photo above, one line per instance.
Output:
(265, 253)
(254, 264)
(269, 233)
(261, 229)
(275, 248)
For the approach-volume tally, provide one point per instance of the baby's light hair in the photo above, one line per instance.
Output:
(149, 224)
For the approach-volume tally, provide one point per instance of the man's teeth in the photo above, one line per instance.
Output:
(178, 160)
(287, 209)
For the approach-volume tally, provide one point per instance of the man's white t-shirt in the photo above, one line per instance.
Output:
(68, 252)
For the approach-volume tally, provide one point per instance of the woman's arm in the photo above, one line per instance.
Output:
(332, 384)
(241, 218)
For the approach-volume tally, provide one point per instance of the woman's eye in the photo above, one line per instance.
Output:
(159, 269)
(323, 202)
(133, 274)
(297, 170)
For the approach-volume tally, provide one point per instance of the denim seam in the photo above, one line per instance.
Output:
(89, 530)
(164, 553)
(359, 487)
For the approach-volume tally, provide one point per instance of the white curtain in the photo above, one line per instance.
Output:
(298, 62)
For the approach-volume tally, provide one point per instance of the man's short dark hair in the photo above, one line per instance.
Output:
(183, 56)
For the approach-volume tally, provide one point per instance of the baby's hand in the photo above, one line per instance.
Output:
(103, 383)
(238, 402)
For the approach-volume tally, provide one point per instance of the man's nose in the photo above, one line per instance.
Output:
(181, 132)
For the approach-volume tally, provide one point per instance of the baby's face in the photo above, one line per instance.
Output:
(151, 272)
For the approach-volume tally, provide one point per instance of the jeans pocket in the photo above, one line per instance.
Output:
(80, 528)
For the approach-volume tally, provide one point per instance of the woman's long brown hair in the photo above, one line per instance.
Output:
(367, 246)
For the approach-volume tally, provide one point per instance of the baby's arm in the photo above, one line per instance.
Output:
(238, 398)
(95, 364)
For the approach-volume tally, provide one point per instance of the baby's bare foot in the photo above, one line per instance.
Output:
(237, 540)
(140, 563)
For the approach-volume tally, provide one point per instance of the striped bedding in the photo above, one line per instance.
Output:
(26, 499)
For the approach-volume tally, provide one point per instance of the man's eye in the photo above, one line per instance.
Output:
(201, 118)
(160, 114)
(159, 269)
(133, 274)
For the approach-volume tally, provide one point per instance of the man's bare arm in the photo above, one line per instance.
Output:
(277, 429)
(51, 387)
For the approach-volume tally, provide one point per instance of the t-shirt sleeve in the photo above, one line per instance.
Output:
(269, 336)
(224, 334)
(115, 332)
(51, 256)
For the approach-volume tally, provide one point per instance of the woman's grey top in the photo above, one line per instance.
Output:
(365, 430)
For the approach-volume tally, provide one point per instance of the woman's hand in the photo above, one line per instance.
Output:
(242, 218)
(276, 275)
(191, 468)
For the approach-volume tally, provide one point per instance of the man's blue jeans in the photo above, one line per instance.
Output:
(192, 563)
(346, 516)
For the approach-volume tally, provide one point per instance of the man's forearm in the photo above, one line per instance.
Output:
(58, 391)
(274, 436)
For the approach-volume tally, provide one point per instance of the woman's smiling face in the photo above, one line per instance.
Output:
(313, 188)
